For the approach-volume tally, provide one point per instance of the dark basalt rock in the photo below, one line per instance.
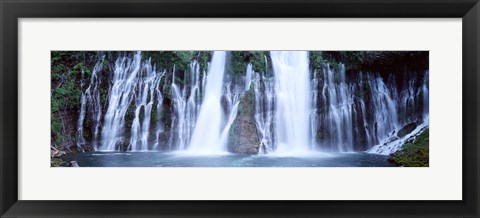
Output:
(407, 129)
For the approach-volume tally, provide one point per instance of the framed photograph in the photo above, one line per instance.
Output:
(227, 108)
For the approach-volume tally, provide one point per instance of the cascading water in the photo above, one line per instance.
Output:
(145, 90)
(160, 128)
(90, 96)
(346, 123)
(340, 111)
(296, 109)
(425, 94)
(134, 83)
(136, 88)
(345, 114)
(314, 111)
(248, 77)
(264, 111)
(232, 95)
(206, 138)
(120, 97)
(186, 108)
(292, 89)
(412, 105)
(385, 110)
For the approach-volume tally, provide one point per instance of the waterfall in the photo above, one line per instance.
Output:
(134, 84)
(339, 112)
(292, 92)
(296, 109)
(160, 128)
(90, 96)
(186, 108)
(264, 111)
(365, 125)
(231, 93)
(81, 116)
(248, 77)
(143, 100)
(425, 94)
(384, 107)
(177, 135)
(206, 138)
(119, 99)
(314, 111)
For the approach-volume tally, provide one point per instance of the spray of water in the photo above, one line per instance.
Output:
(292, 90)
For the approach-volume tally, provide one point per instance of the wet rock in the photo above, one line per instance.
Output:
(407, 129)
(243, 133)
(55, 153)
(73, 164)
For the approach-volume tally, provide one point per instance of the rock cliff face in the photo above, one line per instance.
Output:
(243, 133)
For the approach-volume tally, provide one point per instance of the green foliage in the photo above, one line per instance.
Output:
(203, 57)
(239, 60)
(168, 59)
(66, 96)
(257, 58)
(414, 155)
(66, 74)
(183, 59)
(335, 66)
(315, 60)
(354, 59)
(56, 129)
(66, 70)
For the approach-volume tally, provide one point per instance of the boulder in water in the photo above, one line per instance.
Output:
(243, 133)
(73, 164)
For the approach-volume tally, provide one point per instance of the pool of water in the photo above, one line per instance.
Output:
(175, 159)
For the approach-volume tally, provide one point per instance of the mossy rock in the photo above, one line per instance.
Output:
(243, 133)
(57, 162)
(415, 154)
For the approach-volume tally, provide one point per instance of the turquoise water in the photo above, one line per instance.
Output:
(176, 159)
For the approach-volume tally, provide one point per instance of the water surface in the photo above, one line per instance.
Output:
(176, 159)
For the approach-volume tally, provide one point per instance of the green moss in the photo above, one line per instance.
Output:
(56, 162)
(414, 155)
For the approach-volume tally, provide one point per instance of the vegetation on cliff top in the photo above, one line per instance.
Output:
(378, 61)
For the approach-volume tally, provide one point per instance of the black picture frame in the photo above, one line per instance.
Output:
(11, 11)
